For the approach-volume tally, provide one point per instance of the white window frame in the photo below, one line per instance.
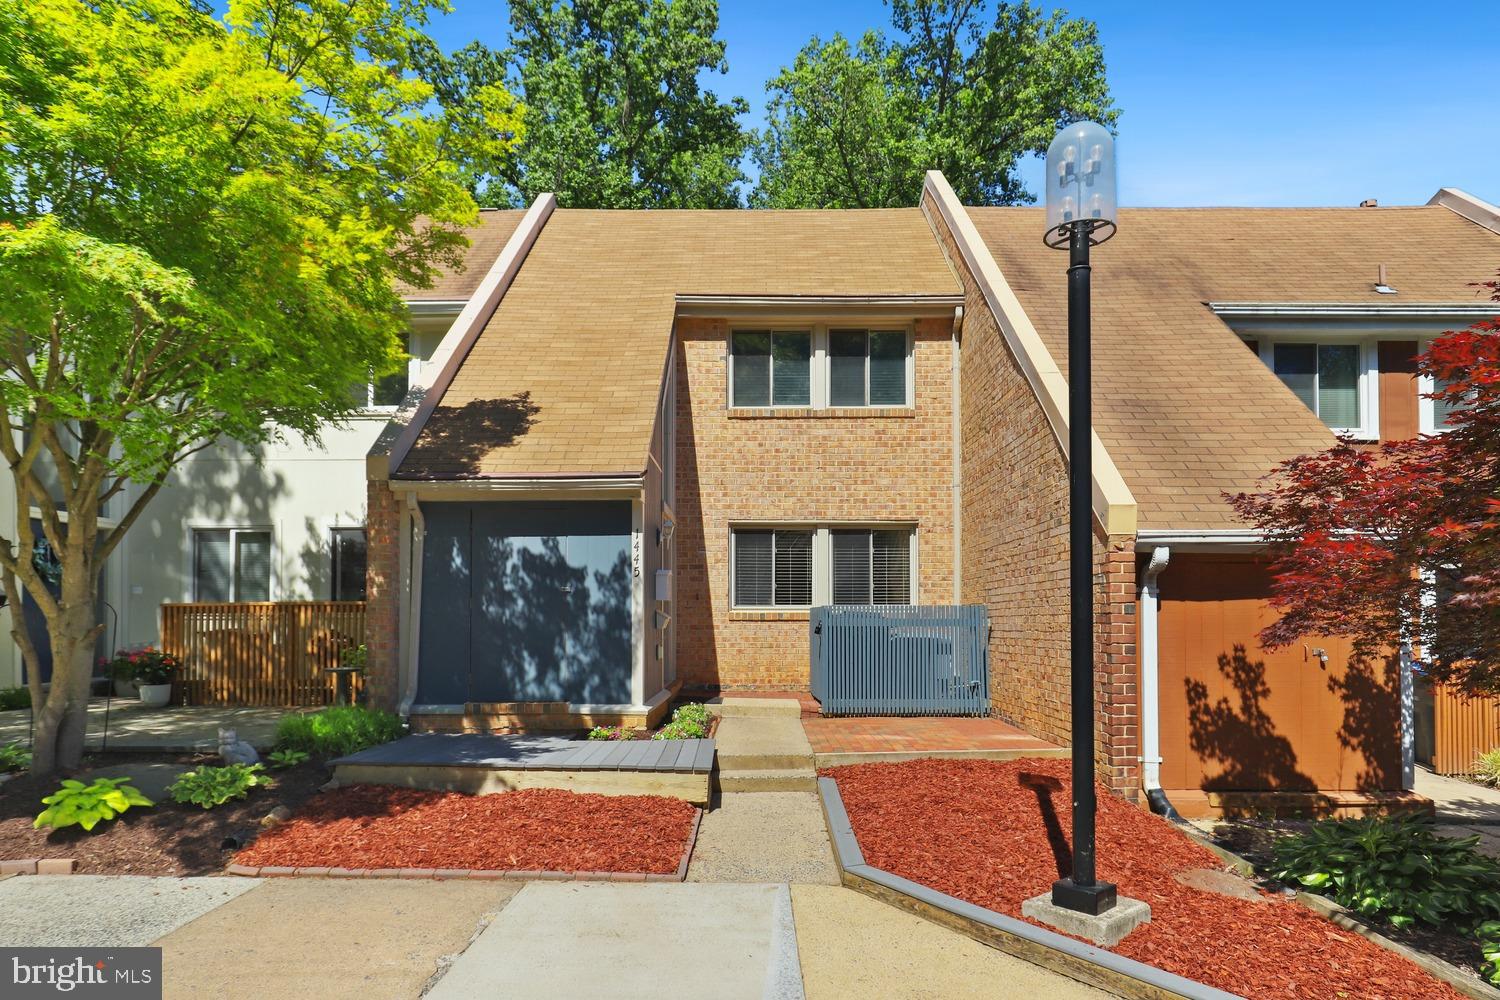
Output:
(273, 588)
(1426, 411)
(820, 372)
(333, 555)
(822, 557)
(1368, 385)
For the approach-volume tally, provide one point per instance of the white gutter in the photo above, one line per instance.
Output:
(956, 361)
(1150, 674)
(434, 378)
(1353, 310)
(1147, 539)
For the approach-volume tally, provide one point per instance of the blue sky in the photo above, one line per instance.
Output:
(1266, 103)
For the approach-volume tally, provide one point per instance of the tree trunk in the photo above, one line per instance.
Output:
(62, 722)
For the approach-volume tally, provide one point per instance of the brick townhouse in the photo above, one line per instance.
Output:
(651, 442)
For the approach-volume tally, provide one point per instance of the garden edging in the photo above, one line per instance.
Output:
(1340, 916)
(1094, 966)
(477, 874)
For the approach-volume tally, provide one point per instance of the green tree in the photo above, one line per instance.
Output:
(614, 114)
(200, 224)
(957, 90)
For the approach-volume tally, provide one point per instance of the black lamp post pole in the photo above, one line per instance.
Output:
(1081, 892)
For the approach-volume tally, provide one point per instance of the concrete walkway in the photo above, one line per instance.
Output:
(104, 911)
(162, 730)
(763, 837)
(1464, 809)
(762, 747)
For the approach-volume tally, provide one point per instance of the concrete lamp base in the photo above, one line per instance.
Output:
(1106, 930)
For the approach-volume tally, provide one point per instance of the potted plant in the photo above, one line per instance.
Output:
(153, 675)
(121, 671)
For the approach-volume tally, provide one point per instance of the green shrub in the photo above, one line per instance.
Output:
(336, 731)
(287, 758)
(1487, 767)
(1393, 868)
(86, 805)
(689, 722)
(214, 786)
(14, 757)
(14, 698)
(611, 733)
(1489, 947)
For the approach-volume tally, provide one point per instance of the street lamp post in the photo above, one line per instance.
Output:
(1080, 214)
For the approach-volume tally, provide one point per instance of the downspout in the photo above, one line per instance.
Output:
(1151, 686)
(954, 374)
(413, 570)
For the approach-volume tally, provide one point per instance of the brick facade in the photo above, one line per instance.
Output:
(797, 466)
(1015, 550)
(382, 589)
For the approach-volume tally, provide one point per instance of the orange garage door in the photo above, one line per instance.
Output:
(1238, 717)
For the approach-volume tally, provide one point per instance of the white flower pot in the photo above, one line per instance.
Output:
(155, 695)
(124, 689)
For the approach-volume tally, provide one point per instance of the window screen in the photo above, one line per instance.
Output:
(252, 565)
(866, 368)
(211, 562)
(846, 368)
(791, 369)
(231, 564)
(871, 567)
(851, 567)
(751, 354)
(753, 572)
(888, 368)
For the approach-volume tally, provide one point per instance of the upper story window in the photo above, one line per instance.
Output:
(1336, 377)
(820, 368)
(384, 393)
(1325, 377)
(772, 368)
(867, 368)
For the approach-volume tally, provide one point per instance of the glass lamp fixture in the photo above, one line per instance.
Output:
(1081, 184)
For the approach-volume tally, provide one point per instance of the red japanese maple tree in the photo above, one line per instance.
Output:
(1400, 542)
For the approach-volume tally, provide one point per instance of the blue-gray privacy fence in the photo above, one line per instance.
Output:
(888, 659)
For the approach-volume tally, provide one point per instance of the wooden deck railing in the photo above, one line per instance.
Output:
(260, 654)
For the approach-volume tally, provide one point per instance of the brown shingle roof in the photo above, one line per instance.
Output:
(486, 240)
(564, 379)
(1183, 408)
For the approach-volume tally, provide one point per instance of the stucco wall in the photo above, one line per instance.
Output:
(803, 466)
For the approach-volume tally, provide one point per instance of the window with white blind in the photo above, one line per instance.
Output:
(771, 368)
(867, 367)
(776, 567)
(1335, 378)
(773, 568)
(231, 564)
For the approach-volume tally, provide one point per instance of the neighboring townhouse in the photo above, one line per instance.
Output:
(285, 522)
(652, 441)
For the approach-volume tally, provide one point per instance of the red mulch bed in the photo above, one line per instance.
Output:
(537, 829)
(166, 839)
(979, 830)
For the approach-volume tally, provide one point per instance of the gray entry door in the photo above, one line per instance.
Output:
(526, 602)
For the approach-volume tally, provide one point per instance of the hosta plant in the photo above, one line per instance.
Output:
(1489, 947)
(88, 805)
(214, 786)
(14, 757)
(287, 758)
(1393, 868)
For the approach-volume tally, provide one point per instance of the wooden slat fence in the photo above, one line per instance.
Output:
(271, 653)
(1462, 728)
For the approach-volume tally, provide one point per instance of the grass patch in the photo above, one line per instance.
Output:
(337, 731)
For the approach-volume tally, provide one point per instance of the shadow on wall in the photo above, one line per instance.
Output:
(547, 629)
(1239, 734)
(1370, 691)
(697, 650)
(466, 434)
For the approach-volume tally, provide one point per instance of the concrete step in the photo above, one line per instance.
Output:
(756, 708)
(792, 779)
(752, 761)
